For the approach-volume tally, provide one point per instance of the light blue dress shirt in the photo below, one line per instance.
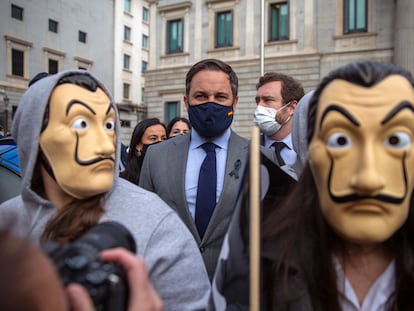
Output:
(288, 154)
(196, 155)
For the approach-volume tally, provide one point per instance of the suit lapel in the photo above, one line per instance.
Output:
(177, 179)
(235, 165)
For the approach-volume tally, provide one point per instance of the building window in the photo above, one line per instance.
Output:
(144, 41)
(127, 6)
(279, 21)
(53, 25)
(144, 66)
(82, 63)
(127, 33)
(16, 12)
(142, 95)
(126, 90)
(125, 123)
(224, 29)
(82, 36)
(175, 36)
(53, 66)
(172, 110)
(53, 60)
(355, 16)
(17, 62)
(145, 15)
(127, 59)
(17, 55)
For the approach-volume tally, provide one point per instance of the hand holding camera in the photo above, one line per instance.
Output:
(142, 296)
(97, 276)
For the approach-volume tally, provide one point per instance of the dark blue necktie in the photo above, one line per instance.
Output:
(206, 190)
(279, 145)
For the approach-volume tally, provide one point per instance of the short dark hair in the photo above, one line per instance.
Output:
(212, 64)
(291, 88)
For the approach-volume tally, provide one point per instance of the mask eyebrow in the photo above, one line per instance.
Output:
(78, 102)
(342, 111)
(403, 105)
(110, 106)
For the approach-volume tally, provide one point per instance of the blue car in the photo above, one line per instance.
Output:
(10, 174)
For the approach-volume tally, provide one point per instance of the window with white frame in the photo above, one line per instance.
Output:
(278, 21)
(127, 33)
(127, 6)
(127, 60)
(224, 29)
(17, 57)
(53, 60)
(125, 90)
(144, 41)
(355, 16)
(175, 36)
(82, 63)
(144, 66)
(145, 15)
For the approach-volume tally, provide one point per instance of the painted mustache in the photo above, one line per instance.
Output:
(379, 197)
(91, 161)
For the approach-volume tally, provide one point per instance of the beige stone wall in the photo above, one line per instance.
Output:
(315, 47)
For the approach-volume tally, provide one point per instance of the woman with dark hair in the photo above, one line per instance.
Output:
(146, 133)
(178, 126)
(344, 238)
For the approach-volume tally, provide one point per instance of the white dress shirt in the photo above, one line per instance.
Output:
(379, 297)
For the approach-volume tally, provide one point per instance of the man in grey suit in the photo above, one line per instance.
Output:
(172, 168)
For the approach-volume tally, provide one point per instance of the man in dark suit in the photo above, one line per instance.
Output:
(172, 169)
(276, 98)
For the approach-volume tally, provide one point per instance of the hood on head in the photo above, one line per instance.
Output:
(299, 130)
(27, 122)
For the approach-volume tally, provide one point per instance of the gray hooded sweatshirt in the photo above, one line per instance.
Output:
(299, 130)
(173, 260)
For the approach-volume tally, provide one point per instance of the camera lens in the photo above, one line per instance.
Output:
(108, 235)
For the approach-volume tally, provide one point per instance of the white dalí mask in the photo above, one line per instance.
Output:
(265, 119)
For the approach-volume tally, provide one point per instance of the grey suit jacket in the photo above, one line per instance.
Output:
(163, 172)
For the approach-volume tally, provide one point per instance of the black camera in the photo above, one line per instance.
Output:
(79, 262)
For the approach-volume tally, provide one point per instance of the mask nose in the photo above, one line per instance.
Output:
(367, 179)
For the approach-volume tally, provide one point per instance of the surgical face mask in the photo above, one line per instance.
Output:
(210, 119)
(265, 119)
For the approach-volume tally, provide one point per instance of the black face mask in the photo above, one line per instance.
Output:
(210, 119)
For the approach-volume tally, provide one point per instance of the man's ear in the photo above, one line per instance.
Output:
(235, 102)
(186, 102)
(292, 106)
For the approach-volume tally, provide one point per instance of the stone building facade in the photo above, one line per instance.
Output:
(311, 37)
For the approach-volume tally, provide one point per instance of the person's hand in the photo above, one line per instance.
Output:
(142, 296)
(79, 299)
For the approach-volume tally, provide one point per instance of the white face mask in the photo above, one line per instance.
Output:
(265, 119)
(1, 133)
